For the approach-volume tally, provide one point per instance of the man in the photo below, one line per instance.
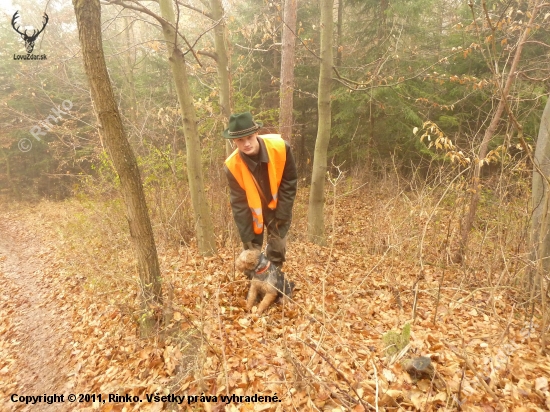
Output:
(262, 180)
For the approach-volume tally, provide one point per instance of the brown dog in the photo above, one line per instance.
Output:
(267, 281)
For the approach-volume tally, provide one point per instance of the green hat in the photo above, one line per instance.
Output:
(241, 125)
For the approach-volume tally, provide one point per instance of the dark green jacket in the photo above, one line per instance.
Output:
(287, 193)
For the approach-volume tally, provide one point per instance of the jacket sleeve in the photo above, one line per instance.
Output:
(288, 187)
(240, 208)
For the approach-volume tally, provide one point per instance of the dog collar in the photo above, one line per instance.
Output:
(259, 272)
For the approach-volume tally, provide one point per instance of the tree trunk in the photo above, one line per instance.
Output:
(130, 61)
(88, 17)
(489, 133)
(286, 105)
(203, 221)
(382, 22)
(316, 223)
(339, 43)
(540, 222)
(222, 61)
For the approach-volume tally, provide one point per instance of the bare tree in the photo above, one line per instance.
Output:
(316, 222)
(205, 229)
(287, 71)
(222, 62)
(490, 131)
(203, 220)
(540, 223)
(339, 24)
(88, 17)
(130, 58)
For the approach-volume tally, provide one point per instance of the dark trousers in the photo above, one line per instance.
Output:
(276, 244)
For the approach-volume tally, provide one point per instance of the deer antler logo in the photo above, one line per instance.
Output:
(29, 39)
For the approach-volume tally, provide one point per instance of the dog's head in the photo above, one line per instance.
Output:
(248, 260)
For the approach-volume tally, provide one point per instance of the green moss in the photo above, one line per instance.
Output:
(394, 342)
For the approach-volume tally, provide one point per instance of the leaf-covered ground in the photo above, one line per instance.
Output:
(322, 351)
(35, 329)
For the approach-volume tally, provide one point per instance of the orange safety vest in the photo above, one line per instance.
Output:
(276, 152)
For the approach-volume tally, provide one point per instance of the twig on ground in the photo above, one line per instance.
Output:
(415, 288)
(376, 380)
(365, 404)
(469, 365)
(458, 401)
(438, 294)
(507, 328)
(222, 340)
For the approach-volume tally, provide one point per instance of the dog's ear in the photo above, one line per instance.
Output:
(247, 260)
(240, 263)
(252, 257)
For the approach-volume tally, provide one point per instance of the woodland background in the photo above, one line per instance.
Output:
(434, 105)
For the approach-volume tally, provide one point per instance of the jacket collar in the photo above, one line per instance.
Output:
(262, 156)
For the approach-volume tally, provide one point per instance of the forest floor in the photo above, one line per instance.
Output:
(69, 301)
(34, 327)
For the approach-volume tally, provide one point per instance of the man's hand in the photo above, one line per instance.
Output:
(280, 222)
(250, 245)
(276, 249)
(281, 226)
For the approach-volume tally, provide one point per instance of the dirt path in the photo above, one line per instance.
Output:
(34, 330)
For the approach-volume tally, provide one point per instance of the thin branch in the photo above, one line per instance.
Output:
(184, 38)
(137, 7)
(312, 95)
(484, 5)
(216, 23)
(487, 61)
(343, 80)
(280, 44)
(534, 79)
(363, 403)
(204, 13)
(213, 55)
(261, 50)
(469, 365)
(433, 212)
(301, 41)
(377, 385)
(493, 35)
(537, 42)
